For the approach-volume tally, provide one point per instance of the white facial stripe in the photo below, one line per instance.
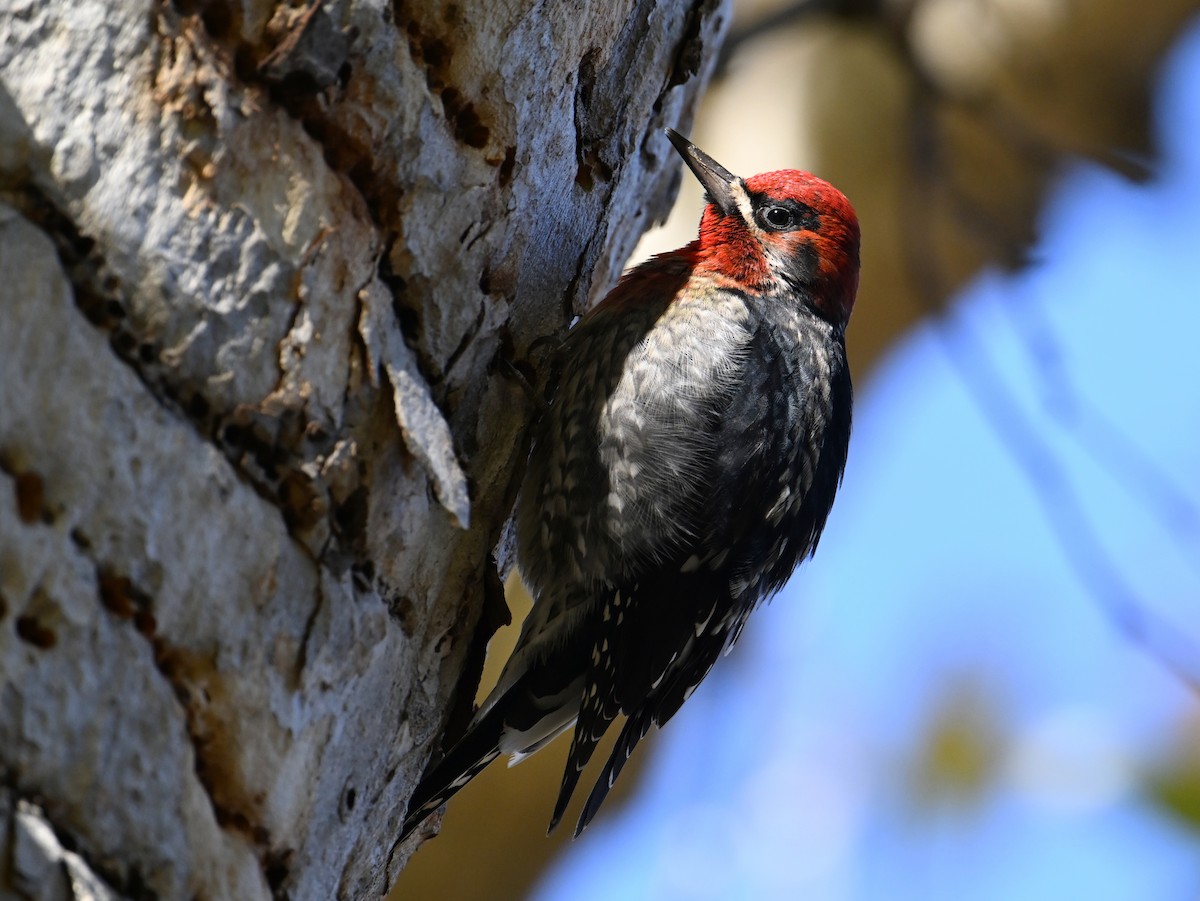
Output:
(737, 190)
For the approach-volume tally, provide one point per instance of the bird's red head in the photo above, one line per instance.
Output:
(778, 233)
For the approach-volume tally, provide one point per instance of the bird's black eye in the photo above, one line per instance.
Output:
(777, 218)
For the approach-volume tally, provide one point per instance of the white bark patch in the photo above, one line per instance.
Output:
(424, 428)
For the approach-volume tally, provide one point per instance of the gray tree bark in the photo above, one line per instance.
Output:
(263, 271)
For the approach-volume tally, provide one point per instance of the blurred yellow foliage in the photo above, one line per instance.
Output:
(1173, 785)
(959, 757)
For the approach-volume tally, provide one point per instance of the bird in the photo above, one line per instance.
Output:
(694, 435)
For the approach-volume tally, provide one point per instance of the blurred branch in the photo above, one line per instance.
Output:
(1060, 503)
(1100, 438)
(786, 16)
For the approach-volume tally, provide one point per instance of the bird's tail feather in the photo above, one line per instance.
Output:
(661, 706)
(464, 761)
(634, 731)
(525, 718)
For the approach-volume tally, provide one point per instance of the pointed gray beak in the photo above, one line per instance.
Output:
(717, 180)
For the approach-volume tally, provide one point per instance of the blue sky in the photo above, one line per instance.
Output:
(940, 580)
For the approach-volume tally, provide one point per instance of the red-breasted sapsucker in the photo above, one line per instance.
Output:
(685, 464)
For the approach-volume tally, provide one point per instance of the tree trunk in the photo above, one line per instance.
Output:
(265, 275)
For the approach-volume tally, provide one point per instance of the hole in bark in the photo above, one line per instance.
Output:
(410, 322)
(583, 177)
(35, 633)
(506, 167)
(245, 63)
(116, 594)
(233, 435)
(136, 887)
(31, 496)
(351, 516)
(452, 102)
(404, 611)
(435, 52)
(92, 305)
(300, 500)
(217, 19)
(363, 574)
(145, 623)
(124, 343)
(276, 871)
(470, 128)
(125, 600)
(197, 406)
(690, 51)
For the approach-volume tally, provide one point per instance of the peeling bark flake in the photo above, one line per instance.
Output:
(425, 430)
